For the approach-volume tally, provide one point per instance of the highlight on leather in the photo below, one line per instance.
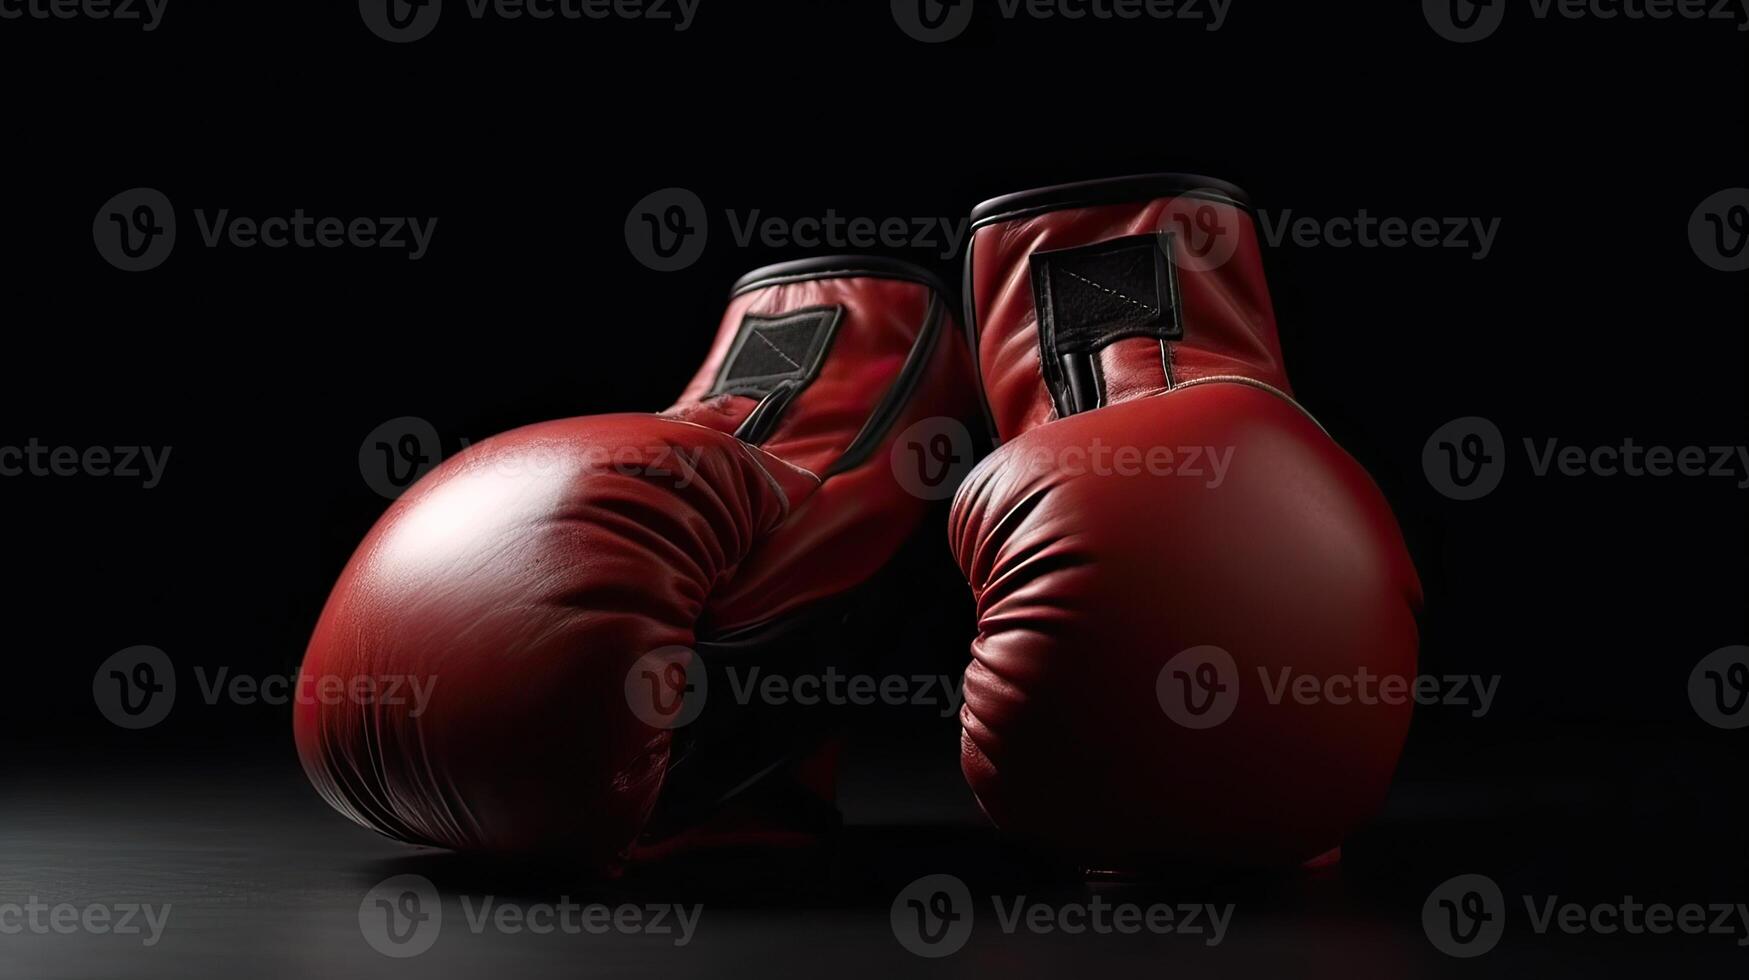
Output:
(1166, 551)
(521, 584)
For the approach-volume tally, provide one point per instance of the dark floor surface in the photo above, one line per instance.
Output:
(263, 881)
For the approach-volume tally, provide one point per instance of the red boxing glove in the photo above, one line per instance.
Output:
(1185, 589)
(547, 588)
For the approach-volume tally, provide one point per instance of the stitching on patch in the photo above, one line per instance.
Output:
(1126, 299)
(778, 350)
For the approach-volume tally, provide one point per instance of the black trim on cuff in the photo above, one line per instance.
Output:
(886, 414)
(837, 267)
(1113, 190)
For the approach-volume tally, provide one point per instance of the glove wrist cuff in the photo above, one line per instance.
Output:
(837, 267)
(816, 359)
(1086, 295)
(1133, 189)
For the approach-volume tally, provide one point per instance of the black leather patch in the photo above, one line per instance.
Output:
(1090, 296)
(772, 350)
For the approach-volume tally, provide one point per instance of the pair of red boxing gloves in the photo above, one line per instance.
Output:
(1163, 548)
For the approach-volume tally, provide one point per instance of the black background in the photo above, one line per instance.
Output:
(1592, 320)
